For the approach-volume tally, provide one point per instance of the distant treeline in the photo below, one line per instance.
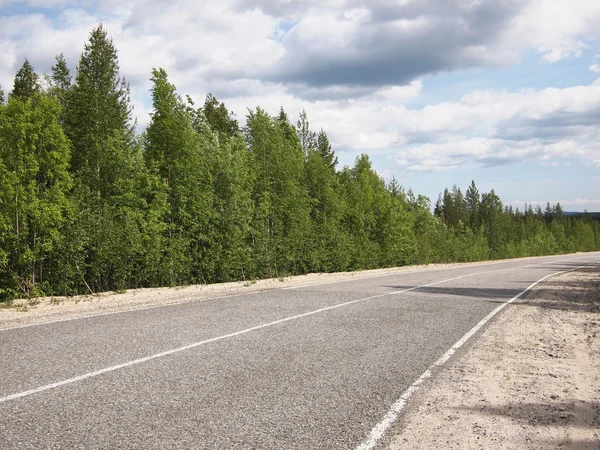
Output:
(88, 205)
(583, 215)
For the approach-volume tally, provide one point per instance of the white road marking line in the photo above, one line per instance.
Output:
(208, 341)
(462, 266)
(557, 261)
(389, 274)
(379, 430)
(432, 270)
(425, 269)
(192, 300)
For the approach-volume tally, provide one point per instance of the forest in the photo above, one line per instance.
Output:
(87, 204)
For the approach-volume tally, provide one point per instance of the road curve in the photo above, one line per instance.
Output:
(318, 366)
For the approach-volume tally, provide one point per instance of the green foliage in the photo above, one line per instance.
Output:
(88, 206)
(177, 153)
(281, 226)
(219, 118)
(325, 150)
(473, 199)
(308, 139)
(34, 182)
(105, 238)
(61, 80)
(26, 83)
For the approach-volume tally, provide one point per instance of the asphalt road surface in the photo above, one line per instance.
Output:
(310, 367)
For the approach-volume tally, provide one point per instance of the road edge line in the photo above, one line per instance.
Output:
(393, 413)
(241, 294)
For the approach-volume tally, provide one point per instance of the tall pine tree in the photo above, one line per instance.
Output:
(26, 83)
(61, 80)
(105, 235)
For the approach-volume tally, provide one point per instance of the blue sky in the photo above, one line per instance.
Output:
(436, 93)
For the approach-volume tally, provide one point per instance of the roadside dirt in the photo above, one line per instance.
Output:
(531, 380)
(52, 309)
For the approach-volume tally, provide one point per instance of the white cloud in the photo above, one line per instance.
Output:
(402, 93)
(490, 128)
(595, 68)
(484, 128)
(344, 48)
(556, 28)
(352, 67)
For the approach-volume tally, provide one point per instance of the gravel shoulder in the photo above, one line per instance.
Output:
(26, 312)
(531, 380)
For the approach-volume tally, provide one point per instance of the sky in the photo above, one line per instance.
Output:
(437, 93)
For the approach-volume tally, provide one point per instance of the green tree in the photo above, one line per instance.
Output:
(398, 244)
(329, 242)
(366, 215)
(228, 253)
(26, 83)
(548, 213)
(61, 80)
(325, 150)
(105, 236)
(460, 205)
(177, 153)
(494, 220)
(219, 117)
(99, 119)
(308, 139)
(472, 199)
(34, 182)
(281, 224)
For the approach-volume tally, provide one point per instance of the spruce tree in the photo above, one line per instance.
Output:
(99, 117)
(472, 199)
(61, 76)
(548, 213)
(325, 150)
(26, 82)
(219, 117)
(329, 241)
(449, 208)
(61, 80)
(460, 204)
(106, 166)
(493, 219)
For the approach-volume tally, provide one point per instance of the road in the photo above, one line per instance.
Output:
(317, 366)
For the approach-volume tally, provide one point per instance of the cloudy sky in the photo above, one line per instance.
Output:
(437, 92)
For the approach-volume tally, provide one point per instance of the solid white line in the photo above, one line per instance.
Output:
(242, 294)
(379, 430)
(208, 341)
(400, 272)
(424, 269)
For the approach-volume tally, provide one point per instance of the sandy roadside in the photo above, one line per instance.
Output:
(531, 380)
(53, 309)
